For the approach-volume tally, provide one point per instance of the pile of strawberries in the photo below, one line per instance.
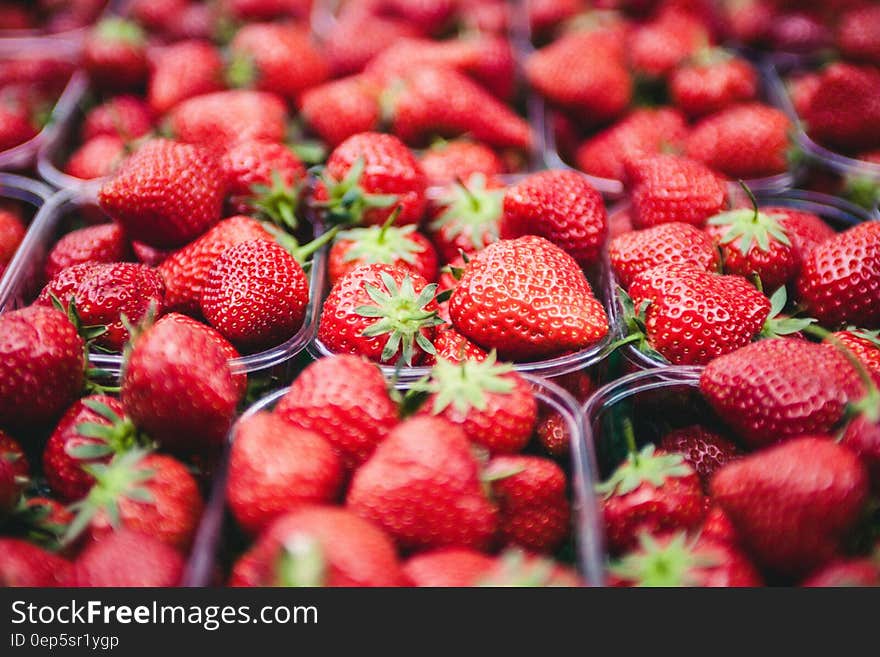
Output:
(40, 17)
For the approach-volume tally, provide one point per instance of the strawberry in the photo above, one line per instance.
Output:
(516, 568)
(126, 117)
(264, 10)
(177, 386)
(357, 37)
(183, 70)
(320, 546)
(25, 564)
(156, 15)
(666, 188)
(16, 127)
(712, 81)
(792, 504)
(104, 243)
(545, 15)
(677, 561)
(428, 16)
(804, 229)
(186, 271)
(10, 488)
(846, 572)
(42, 366)
(530, 492)
(840, 279)
(382, 312)
(858, 34)
(198, 21)
(422, 486)
(344, 399)
(801, 90)
(717, 526)
(703, 449)
(865, 345)
(467, 216)
(445, 162)
(115, 55)
(862, 436)
(655, 48)
(493, 405)
(12, 231)
(97, 158)
(553, 434)
(255, 295)
(339, 109)
(148, 493)
(652, 491)
(275, 467)
(105, 292)
(225, 117)
(776, 389)
(452, 346)
(638, 251)
(517, 295)
(365, 176)
(448, 567)
(166, 194)
(12, 453)
(643, 132)
(127, 558)
(276, 57)
(560, 206)
(149, 255)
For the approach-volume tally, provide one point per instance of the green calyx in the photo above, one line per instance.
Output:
(241, 72)
(120, 30)
(386, 244)
(302, 253)
(710, 57)
(518, 570)
(636, 330)
(777, 325)
(464, 385)
(400, 313)
(119, 436)
(347, 202)
(33, 522)
(862, 190)
(471, 205)
(87, 333)
(300, 563)
(749, 228)
(277, 202)
(641, 467)
(667, 564)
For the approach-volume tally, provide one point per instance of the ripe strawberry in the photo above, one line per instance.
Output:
(10, 488)
(452, 346)
(676, 561)
(16, 127)
(256, 295)
(801, 89)
(127, 558)
(712, 81)
(638, 251)
(97, 158)
(382, 312)
(25, 564)
(794, 503)
(358, 36)
(186, 271)
(104, 243)
(388, 244)
(717, 526)
(183, 70)
(545, 15)
(517, 568)
(12, 453)
(517, 295)
(339, 109)
(846, 572)
(652, 491)
(12, 231)
(804, 229)
(493, 405)
(148, 493)
(703, 449)
(275, 467)
(149, 255)
(368, 175)
(840, 279)
(655, 48)
(105, 292)
(553, 434)
(428, 16)
(166, 194)
(156, 15)
(560, 206)
(448, 567)
(643, 132)
(466, 217)
(862, 436)
(42, 366)
(532, 501)
(265, 10)
(115, 54)
(858, 34)
(177, 386)
(776, 389)
(445, 162)
(865, 345)
(422, 486)
(126, 117)
(320, 546)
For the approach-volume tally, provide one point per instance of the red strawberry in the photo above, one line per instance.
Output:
(339, 109)
(358, 36)
(156, 15)
(104, 292)
(652, 491)
(183, 70)
(494, 406)
(126, 117)
(717, 526)
(186, 271)
(320, 546)
(452, 346)
(12, 231)
(104, 243)
(712, 81)
(42, 366)
(553, 434)
(148, 493)
(657, 47)
(149, 255)
(677, 561)
(635, 252)
(517, 295)
(114, 54)
(545, 15)
(166, 194)
(264, 10)
(858, 34)
(96, 158)
(256, 295)
(794, 503)
(846, 572)
(862, 436)
(840, 279)
(127, 558)
(643, 132)
(12, 453)
(422, 486)
(445, 162)
(448, 567)
(382, 312)
(16, 127)
(666, 188)
(368, 175)
(275, 467)
(429, 16)
(775, 389)
(865, 345)
(177, 386)
(390, 245)
(532, 501)
(25, 564)
(10, 488)
(467, 216)
(516, 568)
(804, 229)
(801, 89)
(704, 450)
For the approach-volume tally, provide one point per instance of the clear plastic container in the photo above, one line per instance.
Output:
(52, 154)
(217, 531)
(25, 280)
(30, 196)
(836, 212)
(16, 38)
